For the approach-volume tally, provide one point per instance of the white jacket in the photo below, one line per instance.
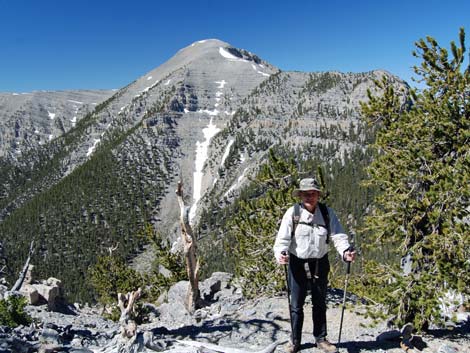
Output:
(309, 241)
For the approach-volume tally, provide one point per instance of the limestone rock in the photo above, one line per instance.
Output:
(49, 291)
(32, 295)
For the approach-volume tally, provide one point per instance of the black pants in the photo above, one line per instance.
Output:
(299, 283)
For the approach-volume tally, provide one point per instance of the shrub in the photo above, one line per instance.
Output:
(12, 312)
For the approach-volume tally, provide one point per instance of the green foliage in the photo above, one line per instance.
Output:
(156, 281)
(422, 172)
(243, 234)
(114, 313)
(110, 276)
(12, 312)
(101, 203)
(258, 221)
(321, 82)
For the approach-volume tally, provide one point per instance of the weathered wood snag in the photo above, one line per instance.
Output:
(213, 347)
(193, 299)
(126, 303)
(24, 271)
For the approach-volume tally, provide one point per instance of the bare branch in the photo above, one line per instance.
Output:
(112, 249)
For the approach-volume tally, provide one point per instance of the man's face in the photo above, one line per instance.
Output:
(310, 198)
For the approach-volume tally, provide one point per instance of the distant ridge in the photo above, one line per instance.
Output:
(83, 171)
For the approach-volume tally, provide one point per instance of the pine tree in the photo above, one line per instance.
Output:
(110, 276)
(12, 311)
(422, 172)
(256, 225)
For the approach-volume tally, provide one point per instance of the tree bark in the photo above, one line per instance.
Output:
(20, 280)
(193, 298)
(126, 304)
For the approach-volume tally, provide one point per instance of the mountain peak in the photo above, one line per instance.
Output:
(210, 41)
(202, 64)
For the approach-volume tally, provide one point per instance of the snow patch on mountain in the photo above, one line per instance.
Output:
(260, 72)
(73, 101)
(237, 184)
(227, 151)
(202, 149)
(221, 83)
(230, 56)
(92, 148)
(209, 112)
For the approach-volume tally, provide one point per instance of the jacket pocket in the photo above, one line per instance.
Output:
(303, 239)
(320, 233)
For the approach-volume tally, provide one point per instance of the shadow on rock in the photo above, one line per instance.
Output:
(214, 330)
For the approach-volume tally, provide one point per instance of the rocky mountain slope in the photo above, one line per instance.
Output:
(228, 323)
(29, 120)
(207, 116)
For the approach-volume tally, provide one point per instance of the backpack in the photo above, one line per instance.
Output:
(324, 213)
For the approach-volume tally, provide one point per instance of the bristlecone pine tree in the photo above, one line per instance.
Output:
(422, 171)
(257, 224)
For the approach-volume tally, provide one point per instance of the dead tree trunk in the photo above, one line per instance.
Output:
(24, 271)
(193, 297)
(126, 304)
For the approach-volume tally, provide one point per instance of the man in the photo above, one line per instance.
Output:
(306, 252)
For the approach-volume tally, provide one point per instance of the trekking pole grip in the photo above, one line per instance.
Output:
(348, 267)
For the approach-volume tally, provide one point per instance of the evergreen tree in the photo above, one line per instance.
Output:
(110, 276)
(12, 311)
(422, 173)
(257, 223)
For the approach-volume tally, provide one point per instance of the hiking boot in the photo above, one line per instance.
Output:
(406, 346)
(406, 331)
(293, 347)
(326, 346)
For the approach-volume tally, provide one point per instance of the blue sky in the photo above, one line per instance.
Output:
(101, 44)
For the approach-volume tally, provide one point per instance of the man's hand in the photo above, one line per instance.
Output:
(284, 258)
(349, 255)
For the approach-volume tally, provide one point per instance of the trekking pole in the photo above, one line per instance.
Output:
(288, 289)
(348, 271)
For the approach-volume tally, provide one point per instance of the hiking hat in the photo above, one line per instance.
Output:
(308, 184)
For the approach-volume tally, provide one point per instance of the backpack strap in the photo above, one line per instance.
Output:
(324, 213)
(326, 218)
(295, 218)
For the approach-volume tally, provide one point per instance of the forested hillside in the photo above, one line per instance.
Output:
(101, 204)
(204, 113)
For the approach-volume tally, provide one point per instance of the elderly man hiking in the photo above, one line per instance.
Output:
(302, 242)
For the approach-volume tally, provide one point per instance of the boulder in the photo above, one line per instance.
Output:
(214, 284)
(49, 291)
(52, 295)
(177, 293)
(31, 294)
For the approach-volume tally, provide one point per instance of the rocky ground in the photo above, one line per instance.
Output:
(229, 321)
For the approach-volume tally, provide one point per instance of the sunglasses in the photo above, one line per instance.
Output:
(309, 194)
